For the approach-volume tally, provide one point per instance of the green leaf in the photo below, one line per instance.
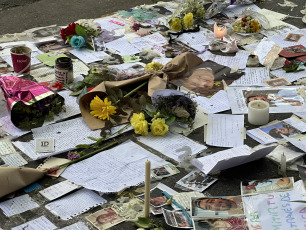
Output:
(88, 46)
(80, 30)
(84, 91)
(170, 120)
(75, 86)
(83, 146)
(76, 93)
(142, 100)
(93, 79)
(143, 222)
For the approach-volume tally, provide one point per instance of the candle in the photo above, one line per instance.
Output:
(258, 112)
(219, 31)
(147, 189)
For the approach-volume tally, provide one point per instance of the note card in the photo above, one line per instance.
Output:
(18, 205)
(36, 224)
(75, 204)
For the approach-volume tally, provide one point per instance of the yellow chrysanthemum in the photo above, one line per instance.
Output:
(188, 20)
(102, 109)
(175, 24)
(153, 66)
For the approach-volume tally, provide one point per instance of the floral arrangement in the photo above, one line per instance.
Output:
(78, 35)
(102, 109)
(154, 66)
(166, 107)
(291, 66)
(246, 24)
(187, 15)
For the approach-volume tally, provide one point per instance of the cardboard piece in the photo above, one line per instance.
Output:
(156, 80)
(15, 178)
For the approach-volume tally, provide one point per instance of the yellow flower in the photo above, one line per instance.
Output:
(188, 20)
(102, 109)
(175, 24)
(159, 127)
(137, 117)
(153, 66)
(141, 127)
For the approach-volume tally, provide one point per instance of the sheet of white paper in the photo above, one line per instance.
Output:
(225, 130)
(275, 210)
(36, 224)
(217, 103)
(18, 205)
(6, 147)
(140, 43)
(155, 39)
(251, 47)
(75, 203)
(229, 158)
(288, 28)
(172, 145)
(296, 123)
(34, 60)
(107, 25)
(239, 60)
(162, 60)
(267, 51)
(301, 144)
(55, 191)
(279, 39)
(300, 114)
(195, 38)
(291, 76)
(14, 160)
(76, 226)
(253, 77)
(89, 56)
(122, 46)
(113, 170)
(299, 186)
(260, 136)
(236, 10)
(9, 45)
(238, 104)
(44, 73)
(66, 136)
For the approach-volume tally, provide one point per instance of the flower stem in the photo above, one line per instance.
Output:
(88, 155)
(132, 91)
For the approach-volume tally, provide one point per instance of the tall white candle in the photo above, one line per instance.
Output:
(147, 189)
(258, 112)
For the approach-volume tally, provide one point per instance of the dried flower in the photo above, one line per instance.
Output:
(72, 155)
(102, 109)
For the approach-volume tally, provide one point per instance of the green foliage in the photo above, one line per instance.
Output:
(80, 30)
(147, 223)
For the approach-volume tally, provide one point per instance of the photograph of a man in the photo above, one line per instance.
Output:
(279, 128)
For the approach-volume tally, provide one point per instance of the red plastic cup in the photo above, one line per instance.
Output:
(21, 58)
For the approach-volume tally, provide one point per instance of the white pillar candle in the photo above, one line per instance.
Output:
(219, 31)
(258, 112)
(147, 189)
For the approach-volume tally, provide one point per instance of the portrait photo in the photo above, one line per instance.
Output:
(176, 219)
(206, 78)
(277, 130)
(277, 82)
(275, 98)
(105, 218)
(216, 206)
(196, 181)
(157, 199)
(291, 37)
(266, 185)
(221, 224)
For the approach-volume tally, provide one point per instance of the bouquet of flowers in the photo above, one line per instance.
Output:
(246, 24)
(167, 106)
(29, 103)
(79, 34)
(186, 15)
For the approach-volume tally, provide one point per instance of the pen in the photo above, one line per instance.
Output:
(180, 206)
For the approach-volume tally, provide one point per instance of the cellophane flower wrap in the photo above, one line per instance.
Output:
(29, 103)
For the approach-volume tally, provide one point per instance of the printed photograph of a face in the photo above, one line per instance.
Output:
(275, 97)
